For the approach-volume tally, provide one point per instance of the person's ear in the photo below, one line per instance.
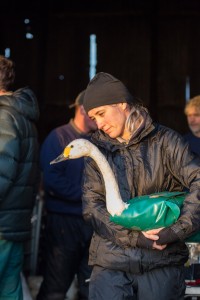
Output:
(123, 105)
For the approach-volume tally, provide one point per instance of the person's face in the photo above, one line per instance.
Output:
(193, 119)
(88, 124)
(110, 119)
(91, 125)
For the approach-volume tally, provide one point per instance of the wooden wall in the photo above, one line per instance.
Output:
(152, 46)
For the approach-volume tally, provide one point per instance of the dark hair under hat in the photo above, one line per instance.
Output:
(78, 100)
(105, 89)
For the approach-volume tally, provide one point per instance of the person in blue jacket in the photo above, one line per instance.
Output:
(67, 236)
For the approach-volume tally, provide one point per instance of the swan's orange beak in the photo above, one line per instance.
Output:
(62, 157)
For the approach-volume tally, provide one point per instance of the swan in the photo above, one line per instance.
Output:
(139, 213)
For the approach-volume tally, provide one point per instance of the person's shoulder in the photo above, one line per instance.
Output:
(24, 92)
(168, 131)
(56, 131)
(61, 135)
(190, 137)
(169, 136)
(65, 129)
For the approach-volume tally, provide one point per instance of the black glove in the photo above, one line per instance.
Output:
(167, 236)
(143, 242)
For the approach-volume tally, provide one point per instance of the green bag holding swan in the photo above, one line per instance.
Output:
(153, 211)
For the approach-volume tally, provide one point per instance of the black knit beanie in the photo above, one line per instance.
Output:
(105, 89)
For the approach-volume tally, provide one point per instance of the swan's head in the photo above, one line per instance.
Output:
(75, 149)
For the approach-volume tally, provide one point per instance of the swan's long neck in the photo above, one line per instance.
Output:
(114, 203)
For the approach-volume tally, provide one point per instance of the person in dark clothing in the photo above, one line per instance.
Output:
(192, 112)
(19, 173)
(145, 158)
(67, 235)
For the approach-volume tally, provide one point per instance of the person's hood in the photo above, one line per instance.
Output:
(23, 101)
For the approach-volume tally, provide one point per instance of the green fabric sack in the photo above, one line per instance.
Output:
(153, 211)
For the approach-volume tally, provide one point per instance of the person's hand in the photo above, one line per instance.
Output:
(147, 239)
(153, 235)
(158, 247)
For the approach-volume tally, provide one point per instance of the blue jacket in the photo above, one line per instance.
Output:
(194, 142)
(19, 161)
(62, 181)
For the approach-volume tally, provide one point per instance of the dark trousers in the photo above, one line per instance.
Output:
(167, 283)
(67, 240)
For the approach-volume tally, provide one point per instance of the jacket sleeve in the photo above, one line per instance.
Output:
(185, 167)
(95, 212)
(9, 152)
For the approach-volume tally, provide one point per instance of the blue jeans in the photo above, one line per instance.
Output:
(11, 263)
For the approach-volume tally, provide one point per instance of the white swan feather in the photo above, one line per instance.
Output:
(82, 147)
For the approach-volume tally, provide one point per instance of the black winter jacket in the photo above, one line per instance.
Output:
(156, 160)
(19, 170)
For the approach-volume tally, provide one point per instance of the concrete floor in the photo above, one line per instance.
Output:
(26, 291)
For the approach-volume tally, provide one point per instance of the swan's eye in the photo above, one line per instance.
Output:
(72, 146)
